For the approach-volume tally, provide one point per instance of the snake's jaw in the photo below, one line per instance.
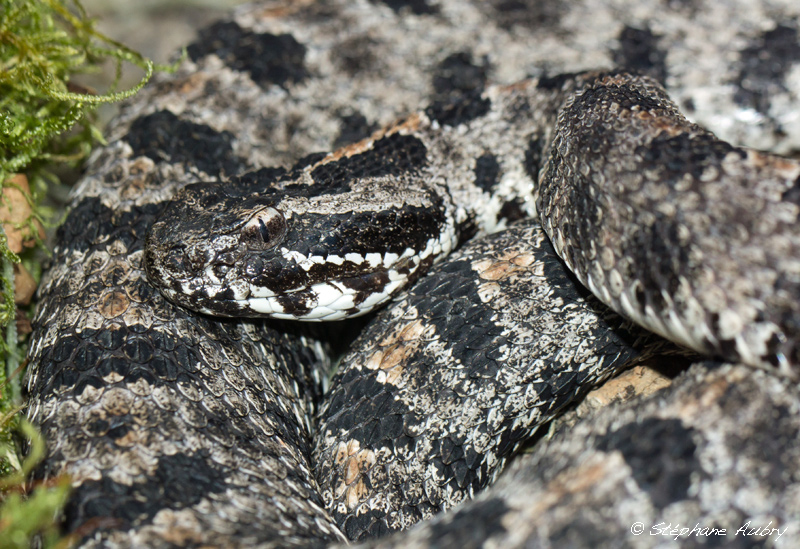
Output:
(327, 244)
(289, 258)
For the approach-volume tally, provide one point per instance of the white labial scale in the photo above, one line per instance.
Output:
(285, 316)
(291, 255)
(395, 276)
(186, 289)
(241, 290)
(260, 291)
(335, 315)
(439, 247)
(379, 297)
(303, 261)
(326, 294)
(390, 258)
(358, 259)
(374, 259)
(320, 312)
(344, 302)
(334, 298)
(344, 290)
(211, 275)
(266, 305)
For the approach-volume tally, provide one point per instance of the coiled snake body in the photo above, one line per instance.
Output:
(183, 430)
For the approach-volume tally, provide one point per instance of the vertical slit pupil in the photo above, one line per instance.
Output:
(262, 228)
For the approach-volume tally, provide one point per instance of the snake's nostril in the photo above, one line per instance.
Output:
(220, 270)
(222, 264)
(226, 258)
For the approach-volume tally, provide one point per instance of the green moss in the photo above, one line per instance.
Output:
(25, 514)
(45, 123)
(43, 45)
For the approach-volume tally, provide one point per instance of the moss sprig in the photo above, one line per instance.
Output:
(46, 121)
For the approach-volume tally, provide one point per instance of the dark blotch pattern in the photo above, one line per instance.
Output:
(675, 156)
(663, 242)
(389, 230)
(582, 532)
(457, 75)
(487, 172)
(259, 180)
(763, 66)
(356, 55)
(354, 127)
(145, 372)
(298, 303)
(638, 51)
(762, 445)
(468, 531)
(267, 58)
(429, 462)
(533, 156)
(687, 6)
(595, 99)
(178, 482)
(470, 107)
(417, 7)
(393, 155)
(661, 455)
(793, 194)
(513, 210)
(163, 137)
(555, 82)
(84, 226)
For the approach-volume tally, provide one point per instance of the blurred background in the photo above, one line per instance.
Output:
(155, 28)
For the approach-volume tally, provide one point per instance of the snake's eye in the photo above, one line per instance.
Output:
(265, 230)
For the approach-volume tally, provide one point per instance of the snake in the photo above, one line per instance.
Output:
(181, 429)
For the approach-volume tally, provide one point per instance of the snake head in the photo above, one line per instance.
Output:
(192, 250)
(293, 250)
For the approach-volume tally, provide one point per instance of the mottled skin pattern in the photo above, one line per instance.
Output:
(405, 197)
(443, 386)
(602, 197)
(151, 423)
(366, 216)
(718, 449)
(694, 238)
(176, 429)
(656, 215)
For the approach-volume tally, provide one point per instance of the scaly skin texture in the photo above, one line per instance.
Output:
(163, 419)
(719, 449)
(694, 238)
(657, 216)
(443, 387)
